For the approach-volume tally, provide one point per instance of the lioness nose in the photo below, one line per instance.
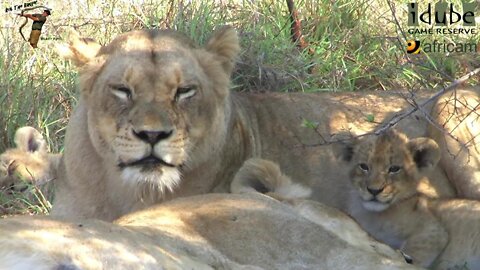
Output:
(152, 137)
(374, 192)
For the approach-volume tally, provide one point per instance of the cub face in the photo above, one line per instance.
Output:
(27, 163)
(386, 169)
(156, 103)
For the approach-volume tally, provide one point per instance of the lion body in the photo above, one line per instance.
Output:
(213, 231)
(457, 113)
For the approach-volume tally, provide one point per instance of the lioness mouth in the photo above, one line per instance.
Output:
(375, 200)
(149, 161)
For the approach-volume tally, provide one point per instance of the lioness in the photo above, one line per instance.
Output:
(156, 120)
(212, 231)
(385, 173)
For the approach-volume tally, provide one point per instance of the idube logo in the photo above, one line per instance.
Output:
(466, 16)
(443, 15)
(442, 20)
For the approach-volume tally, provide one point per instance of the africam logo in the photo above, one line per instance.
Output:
(415, 47)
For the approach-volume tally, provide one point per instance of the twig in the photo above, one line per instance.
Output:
(396, 20)
(399, 117)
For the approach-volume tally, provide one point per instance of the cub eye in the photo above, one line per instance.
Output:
(363, 167)
(394, 169)
(122, 92)
(185, 92)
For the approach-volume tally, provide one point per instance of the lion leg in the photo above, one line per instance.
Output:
(426, 244)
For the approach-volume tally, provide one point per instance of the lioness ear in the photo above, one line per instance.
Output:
(79, 50)
(225, 45)
(425, 153)
(83, 53)
(28, 139)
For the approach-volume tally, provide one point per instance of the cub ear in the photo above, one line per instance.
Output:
(344, 145)
(425, 153)
(28, 139)
(225, 45)
(79, 50)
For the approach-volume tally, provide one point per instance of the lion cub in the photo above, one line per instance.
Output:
(385, 173)
(28, 163)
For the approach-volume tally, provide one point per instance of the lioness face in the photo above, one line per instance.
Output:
(386, 168)
(155, 105)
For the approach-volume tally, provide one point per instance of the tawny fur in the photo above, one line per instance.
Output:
(213, 231)
(459, 139)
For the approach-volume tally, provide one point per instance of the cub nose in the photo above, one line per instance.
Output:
(152, 137)
(374, 192)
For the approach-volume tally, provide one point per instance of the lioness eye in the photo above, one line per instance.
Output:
(363, 166)
(394, 169)
(122, 92)
(185, 92)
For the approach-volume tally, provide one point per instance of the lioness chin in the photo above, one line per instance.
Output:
(156, 120)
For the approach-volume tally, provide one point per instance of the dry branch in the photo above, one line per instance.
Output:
(399, 117)
(296, 26)
(453, 85)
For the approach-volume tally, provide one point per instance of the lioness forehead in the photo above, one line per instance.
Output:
(147, 41)
(160, 54)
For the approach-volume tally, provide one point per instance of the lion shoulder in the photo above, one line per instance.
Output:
(457, 133)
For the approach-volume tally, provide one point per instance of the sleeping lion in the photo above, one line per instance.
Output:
(210, 231)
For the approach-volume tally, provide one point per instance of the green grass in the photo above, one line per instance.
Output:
(31, 201)
(354, 45)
